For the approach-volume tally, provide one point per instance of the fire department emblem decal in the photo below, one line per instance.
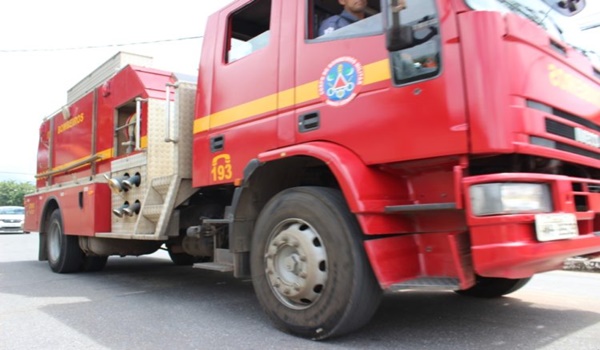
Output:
(341, 81)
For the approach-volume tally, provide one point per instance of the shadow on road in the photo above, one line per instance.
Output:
(149, 299)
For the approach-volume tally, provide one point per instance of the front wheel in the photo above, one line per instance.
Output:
(309, 269)
(490, 287)
(64, 254)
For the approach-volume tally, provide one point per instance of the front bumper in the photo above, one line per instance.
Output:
(506, 245)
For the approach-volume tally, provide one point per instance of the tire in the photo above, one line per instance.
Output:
(309, 268)
(182, 259)
(64, 254)
(210, 211)
(93, 263)
(489, 287)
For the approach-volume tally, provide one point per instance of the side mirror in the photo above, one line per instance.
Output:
(399, 38)
(403, 36)
(566, 7)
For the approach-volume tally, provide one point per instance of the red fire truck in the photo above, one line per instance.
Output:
(450, 144)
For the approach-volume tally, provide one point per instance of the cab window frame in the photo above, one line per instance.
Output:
(248, 30)
(318, 11)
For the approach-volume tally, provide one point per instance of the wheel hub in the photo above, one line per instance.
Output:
(296, 264)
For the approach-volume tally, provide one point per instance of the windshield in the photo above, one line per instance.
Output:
(558, 26)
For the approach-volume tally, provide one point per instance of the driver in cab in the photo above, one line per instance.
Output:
(354, 11)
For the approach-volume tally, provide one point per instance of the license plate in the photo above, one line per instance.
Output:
(552, 227)
(587, 137)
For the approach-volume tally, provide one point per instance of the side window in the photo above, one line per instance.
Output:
(329, 20)
(249, 30)
(422, 60)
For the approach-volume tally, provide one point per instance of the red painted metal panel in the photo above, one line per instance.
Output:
(438, 255)
(252, 78)
(33, 212)
(494, 45)
(367, 190)
(522, 256)
(85, 205)
(385, 123)
(86, 209)
(394, 259)
(73, 136)
(44, 148)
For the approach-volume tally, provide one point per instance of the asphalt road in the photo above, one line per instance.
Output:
(148, 303)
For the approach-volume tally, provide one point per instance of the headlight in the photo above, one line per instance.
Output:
(510, 198)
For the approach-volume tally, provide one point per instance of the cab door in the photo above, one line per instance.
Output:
(384, 106)
(240, 121)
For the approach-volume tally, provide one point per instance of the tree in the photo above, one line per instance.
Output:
(12, 192)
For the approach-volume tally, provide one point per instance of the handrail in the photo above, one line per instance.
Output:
(138, 122)
(168, 137)
(82, 162)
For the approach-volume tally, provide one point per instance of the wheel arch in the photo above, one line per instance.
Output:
(311, 164)
(262, 181)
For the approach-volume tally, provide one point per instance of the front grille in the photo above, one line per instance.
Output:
(585, 195)
(555, 127)
(577, 150)
(539, 141)
(563, 115)
(560, 129)
(10, 229)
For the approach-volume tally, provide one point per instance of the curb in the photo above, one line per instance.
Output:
(582, 264)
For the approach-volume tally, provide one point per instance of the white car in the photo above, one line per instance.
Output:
(11, 219)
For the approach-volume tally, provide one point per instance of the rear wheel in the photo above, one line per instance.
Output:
(94, 263)
(64, 254)
(490, 287)
(309, 269)
(175, 248)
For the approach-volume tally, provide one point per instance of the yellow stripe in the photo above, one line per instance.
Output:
(307, 92)
(286, 98)
(376, 72)
(107, 153)
(373, 73)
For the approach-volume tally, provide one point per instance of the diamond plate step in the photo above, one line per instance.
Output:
(162, 184)
(223, 262)
(153, 212)
(427, 283)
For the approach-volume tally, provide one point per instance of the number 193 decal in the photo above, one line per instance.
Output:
(221, 168)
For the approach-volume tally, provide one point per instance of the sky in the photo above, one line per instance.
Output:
(35, 73)
(34, 84)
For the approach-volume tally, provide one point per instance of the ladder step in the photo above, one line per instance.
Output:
(162, 184)
(214, 266)
(153, 212)
(413, 208)
(427, 283)
(223, 261)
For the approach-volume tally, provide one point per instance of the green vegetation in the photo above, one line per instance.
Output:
(12, 192)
